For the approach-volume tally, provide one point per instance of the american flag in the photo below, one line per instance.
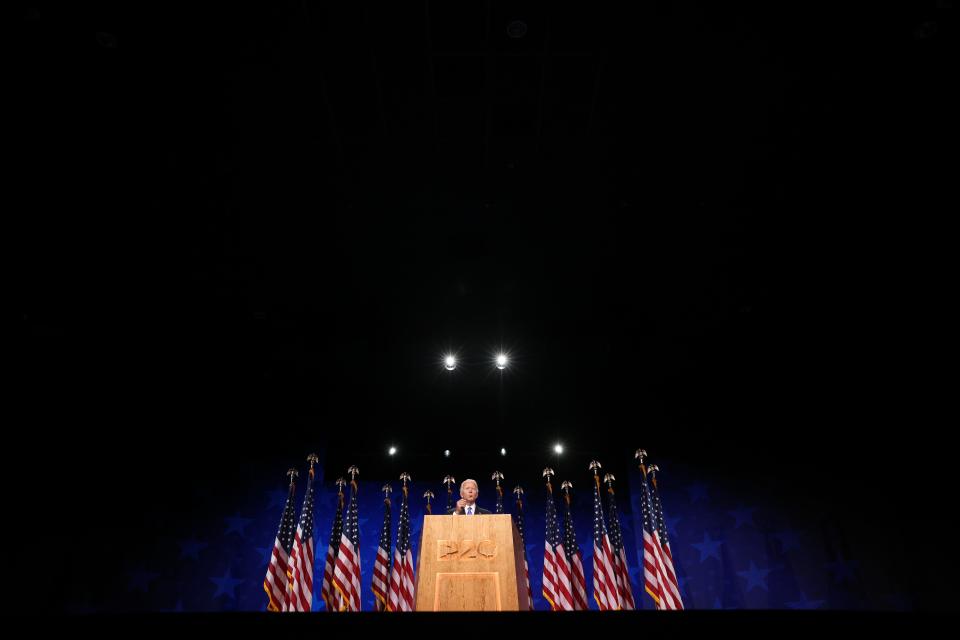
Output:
(276, 581)
(331, 597)
(604, 575)
(620, 567)
(654, 574)
(381, 566)
(666, 555)
(578, 583)
(526, 568)
(346, 571)
(556, 569)
(401, 594)
(301, 559)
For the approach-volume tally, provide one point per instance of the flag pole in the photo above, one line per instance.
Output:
(595, 467)
(497, 477)
(428, 495)
(449, 480)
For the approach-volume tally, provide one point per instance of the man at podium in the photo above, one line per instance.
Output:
(466, 505)
(471, 564)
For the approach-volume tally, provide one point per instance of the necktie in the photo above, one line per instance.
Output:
(469, 511)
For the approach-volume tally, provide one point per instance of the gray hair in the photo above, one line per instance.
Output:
(477, 484)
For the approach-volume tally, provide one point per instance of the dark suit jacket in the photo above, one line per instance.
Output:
(478, 511)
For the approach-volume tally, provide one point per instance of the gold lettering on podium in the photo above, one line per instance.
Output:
(466, 549)
(447, 548)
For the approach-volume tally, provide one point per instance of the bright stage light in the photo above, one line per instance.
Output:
(446, 453)
(392, 450)
(558, 448)
(501, 361)
(450, 363)
(503, 451)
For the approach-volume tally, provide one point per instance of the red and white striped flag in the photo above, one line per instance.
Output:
(666, 554)
(346, 571)
(276, 581)
(574, 556)
(401, 594)
(526, 567)
(655, 578)
(302, 556)
(556, 567)
(620, 567)
(604, 575)
(381, 566)
(331, 597)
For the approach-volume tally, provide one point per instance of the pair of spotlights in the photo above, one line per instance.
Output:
(501, 361)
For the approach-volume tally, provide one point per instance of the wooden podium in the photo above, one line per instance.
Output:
(471, 563)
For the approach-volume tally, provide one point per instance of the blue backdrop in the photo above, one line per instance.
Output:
(732, 549)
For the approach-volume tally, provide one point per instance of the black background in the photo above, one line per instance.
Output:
(717, 233)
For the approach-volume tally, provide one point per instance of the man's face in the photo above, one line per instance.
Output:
(469, 491)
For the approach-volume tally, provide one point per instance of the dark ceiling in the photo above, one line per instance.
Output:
(246, 231)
